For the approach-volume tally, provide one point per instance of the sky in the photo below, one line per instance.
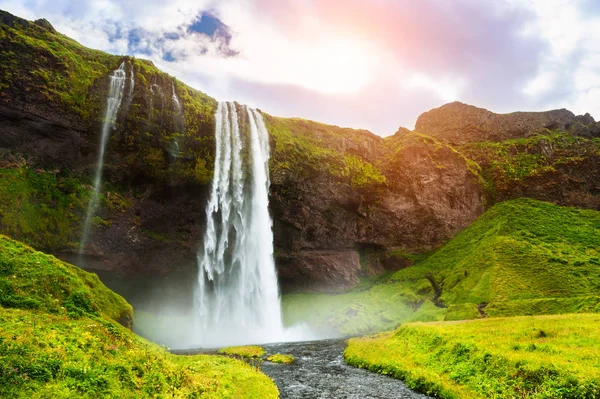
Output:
(372, 64)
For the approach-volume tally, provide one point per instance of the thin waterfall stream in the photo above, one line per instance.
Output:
(113, 102)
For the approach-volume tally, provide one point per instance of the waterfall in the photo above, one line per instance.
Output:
(176, 103)
(237, 300)
(113, 102)
(131, 83)
(178, 123)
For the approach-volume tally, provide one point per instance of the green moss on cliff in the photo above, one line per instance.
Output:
(302, 148)
(57, 77)
(53, 65)
(41, 207)
(508, 162)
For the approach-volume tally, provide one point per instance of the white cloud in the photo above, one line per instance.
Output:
(335, 59)
(572, 61)
(446, 88)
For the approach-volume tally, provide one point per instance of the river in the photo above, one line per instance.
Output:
(319, 372)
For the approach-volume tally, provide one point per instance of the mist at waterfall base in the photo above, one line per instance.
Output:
(234, 298)
(237, 298)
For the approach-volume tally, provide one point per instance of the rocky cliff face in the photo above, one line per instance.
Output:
(345, 203)
(459, 123)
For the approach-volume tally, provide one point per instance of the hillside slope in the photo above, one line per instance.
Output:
(59, 339)
(520, 257)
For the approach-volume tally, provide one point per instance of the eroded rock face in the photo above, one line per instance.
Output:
(460, 123)
(431, 194)
(318, 271)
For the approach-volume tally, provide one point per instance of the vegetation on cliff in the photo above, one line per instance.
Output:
(40, 207)
(521, 257)
(59, 338)
(302, 148)
(508, 163)
(156, 143)
(533, 357)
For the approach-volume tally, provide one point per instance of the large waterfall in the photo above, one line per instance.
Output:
(238, 298)
(113, 102)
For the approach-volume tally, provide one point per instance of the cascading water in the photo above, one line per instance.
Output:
(113, 102)
(237, 297)
(178, 124)
(176, 103)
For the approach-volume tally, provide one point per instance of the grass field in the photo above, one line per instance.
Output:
(520, 357)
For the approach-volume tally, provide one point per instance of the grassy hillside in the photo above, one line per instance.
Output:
(38, 282)
(522, 357)
(59, 339)
(521, 257)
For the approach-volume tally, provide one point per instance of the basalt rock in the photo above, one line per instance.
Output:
(318, 271)
(459, 123)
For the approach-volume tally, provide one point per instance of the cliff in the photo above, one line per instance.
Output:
(345, 203)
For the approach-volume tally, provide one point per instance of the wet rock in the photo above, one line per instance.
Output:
(318, 271)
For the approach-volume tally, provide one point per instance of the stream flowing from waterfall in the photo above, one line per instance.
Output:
(237, 296)
(113, 102)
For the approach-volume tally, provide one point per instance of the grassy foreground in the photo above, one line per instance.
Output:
(521, 257)
(520, 357)
(59, 338)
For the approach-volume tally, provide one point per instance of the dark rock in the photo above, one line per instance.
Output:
(581, 130)
(45, 143)
(44, 23)
(318, 271)
(546, 148)
(461, 123)
(585, 120)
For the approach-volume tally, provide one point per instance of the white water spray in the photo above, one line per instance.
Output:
(113, 102)
(237, 297)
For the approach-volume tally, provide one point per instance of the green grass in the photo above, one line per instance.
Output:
(59, 338)
(33, 280)
(55, 356)
(521, 257)
(280, 358)
(522, 357)
(245, 352)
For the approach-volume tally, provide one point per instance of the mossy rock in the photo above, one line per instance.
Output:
(33, 280)
(281, 358)
(245, 352)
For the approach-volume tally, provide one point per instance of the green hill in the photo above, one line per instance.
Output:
(520, 257)
(59, 339)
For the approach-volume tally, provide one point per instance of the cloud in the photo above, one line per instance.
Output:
(375, 64)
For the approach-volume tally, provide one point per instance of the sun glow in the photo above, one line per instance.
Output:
(334, 67)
